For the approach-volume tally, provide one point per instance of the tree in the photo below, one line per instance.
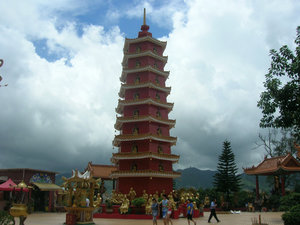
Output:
(226, 179)
(280, 102)
(277, 142)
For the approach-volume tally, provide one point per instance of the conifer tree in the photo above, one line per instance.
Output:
(226, 179)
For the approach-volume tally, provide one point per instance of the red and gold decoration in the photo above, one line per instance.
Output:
(81, 189)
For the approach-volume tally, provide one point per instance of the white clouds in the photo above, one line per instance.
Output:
(218, 55)
(63, 108)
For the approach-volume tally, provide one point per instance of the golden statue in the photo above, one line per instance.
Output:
(162, 193)
(145, 195)
(206, 201)
(114, 197)
(195, 205)
(156, 195)
(131, 194)
(119, 198)
(125, 205)
(98, 201)
(171, 201)
(148, 206)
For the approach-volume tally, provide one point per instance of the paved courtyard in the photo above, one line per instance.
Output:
(226, 219)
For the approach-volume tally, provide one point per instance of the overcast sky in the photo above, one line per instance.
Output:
(62, 63)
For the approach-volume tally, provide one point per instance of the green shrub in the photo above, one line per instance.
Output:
(138, 202)
(292, 217)
(6, 218)
(274, 201)
(287, 201)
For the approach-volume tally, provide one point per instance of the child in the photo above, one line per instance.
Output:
(190, 211)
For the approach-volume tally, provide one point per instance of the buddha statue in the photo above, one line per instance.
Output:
(125, 205)
(131, 194)
(156, 195)
(98, 201)
(145, 195)
(148, 206)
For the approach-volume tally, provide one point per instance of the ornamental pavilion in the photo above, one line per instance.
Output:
(144, 160)
(277, 167)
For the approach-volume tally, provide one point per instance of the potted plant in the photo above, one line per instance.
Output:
(138, 203)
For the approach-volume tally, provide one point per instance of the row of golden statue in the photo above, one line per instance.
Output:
(125, 200)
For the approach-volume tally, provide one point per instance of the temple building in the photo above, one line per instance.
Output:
(278, 167)
(144, 160)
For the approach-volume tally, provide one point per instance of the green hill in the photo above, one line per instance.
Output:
(193, 177)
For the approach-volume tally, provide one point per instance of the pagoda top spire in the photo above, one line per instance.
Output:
(144, 27)
(144, 16)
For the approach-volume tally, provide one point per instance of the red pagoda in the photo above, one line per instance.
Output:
(144, 160)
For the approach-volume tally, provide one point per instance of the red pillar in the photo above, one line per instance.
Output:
(282, 185)
(257, 187)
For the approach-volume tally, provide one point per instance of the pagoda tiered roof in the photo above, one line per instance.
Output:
(143, 155)
(139, 137)
(145, 173)
(151, 101)
(143, 53)
(142, 85)
(128, 41)
(131, 119)
(286, 164)
(143, 69)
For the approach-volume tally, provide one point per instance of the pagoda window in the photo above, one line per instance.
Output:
(136, 96)
(137, 64)
(157, 96)
(135, 131)
(155, 65)
(156, 80)
(134, 167)
(138, 49)
(137, 79)
(155, 50)
(136, 113)
(158, 131)
(134, 148)
(158, 114)
(159, 149)
(161, 168)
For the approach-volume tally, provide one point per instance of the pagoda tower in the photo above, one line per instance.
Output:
(144, 160)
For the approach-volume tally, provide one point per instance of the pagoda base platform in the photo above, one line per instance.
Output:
(197, 214)
(122, 216)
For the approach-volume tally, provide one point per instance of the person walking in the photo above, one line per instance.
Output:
(154, 208)
(190, 211)
(213, 206)
(164, 210)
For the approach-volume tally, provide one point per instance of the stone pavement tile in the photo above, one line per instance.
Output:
(226, 219)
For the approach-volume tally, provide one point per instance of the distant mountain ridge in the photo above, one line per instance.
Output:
(193, 177)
